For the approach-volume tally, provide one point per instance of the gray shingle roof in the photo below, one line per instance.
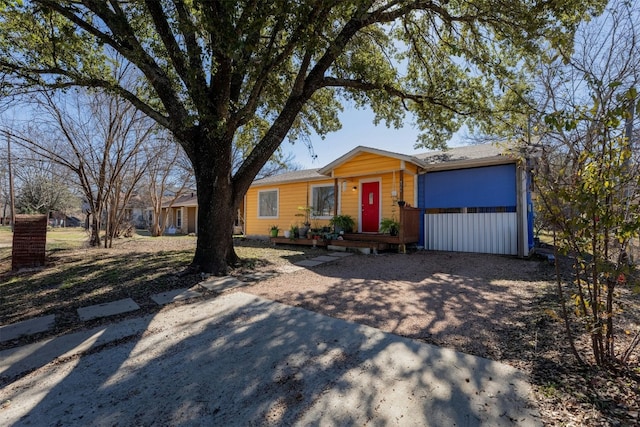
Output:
(301, 175)
(190, 199)
(470, 152)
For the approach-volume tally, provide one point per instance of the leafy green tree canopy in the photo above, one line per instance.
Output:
(225, 72)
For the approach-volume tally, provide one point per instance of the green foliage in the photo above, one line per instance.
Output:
(42, 194)
(588, 175)
(591, 202)
(293, 231)
(344, 222)
(389, 226)
(442, 63)
(305, 212)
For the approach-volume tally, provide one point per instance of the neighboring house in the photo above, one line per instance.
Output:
(136, 212)
(471, 199)
(182, 216)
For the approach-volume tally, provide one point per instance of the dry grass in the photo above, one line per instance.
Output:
(77, 276)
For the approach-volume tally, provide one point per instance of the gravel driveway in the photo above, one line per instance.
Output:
(478, 304)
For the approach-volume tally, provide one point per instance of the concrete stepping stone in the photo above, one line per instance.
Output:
(340, 254)
(324, 258)
(26, 327)
(107, 309)
(255, 277)
(309, 263)
(219, 284)
(175, 295)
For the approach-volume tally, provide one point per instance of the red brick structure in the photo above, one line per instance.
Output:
(29, 241)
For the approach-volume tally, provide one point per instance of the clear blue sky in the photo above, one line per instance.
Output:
(358, 129)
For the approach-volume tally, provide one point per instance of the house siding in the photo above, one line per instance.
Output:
(475, 187)
(364, 167)
(291, 196)
(366, 163)
(367, 167)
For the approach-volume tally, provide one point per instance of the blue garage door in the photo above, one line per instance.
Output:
(470, 210)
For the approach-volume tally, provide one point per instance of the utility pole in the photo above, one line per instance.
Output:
(12, 199)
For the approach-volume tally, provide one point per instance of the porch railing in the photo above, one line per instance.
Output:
(409, 225)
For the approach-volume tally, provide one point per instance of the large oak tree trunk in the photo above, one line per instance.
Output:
(216, 208)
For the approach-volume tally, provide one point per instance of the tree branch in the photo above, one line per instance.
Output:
(128, 46)
(395, 92)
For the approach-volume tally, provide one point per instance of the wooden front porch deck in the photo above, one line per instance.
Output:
(409, 233)
(379, 245)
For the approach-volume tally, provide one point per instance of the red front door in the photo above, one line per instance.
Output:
(370, 200)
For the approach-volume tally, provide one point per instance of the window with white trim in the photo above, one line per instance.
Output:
(268, 204)
(323, 200)
(179, 218)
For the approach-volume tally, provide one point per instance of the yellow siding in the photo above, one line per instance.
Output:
(290, 197)
(350, 199)
(370, 167)
(361, 168)
(366, 163)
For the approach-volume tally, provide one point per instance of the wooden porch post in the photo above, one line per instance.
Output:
(336, 189)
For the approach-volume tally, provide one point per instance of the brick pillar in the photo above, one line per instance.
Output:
(29, 241)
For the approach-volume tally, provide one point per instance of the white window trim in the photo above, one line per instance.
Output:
(179, 218)
(323, 185)
(270, 190)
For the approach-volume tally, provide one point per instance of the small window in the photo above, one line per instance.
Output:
(322, 200)
(268, 204)
(179, 218)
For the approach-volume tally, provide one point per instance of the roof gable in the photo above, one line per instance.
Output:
(361, 149)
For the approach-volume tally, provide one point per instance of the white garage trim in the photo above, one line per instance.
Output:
(493, 233)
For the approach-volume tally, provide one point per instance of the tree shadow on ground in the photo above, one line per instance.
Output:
(239, 360)
(106, 278)
(462, 303)
(491, 306)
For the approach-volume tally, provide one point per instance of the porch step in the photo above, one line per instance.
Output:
(379, 246)
(372, 237)
(304, 242)
(356, 244)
